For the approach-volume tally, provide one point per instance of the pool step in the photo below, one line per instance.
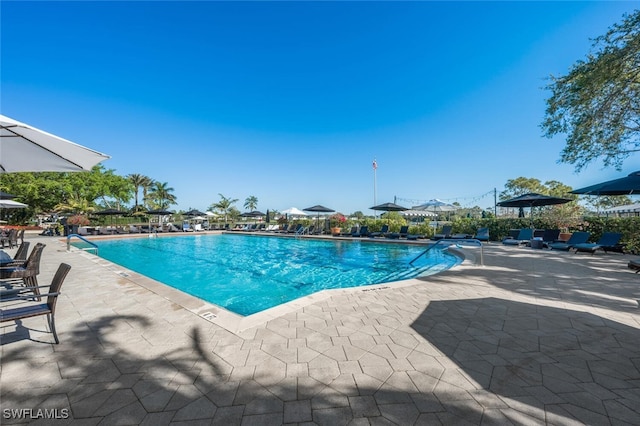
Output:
(406, 274)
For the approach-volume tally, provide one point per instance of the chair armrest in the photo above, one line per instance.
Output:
(29, 297)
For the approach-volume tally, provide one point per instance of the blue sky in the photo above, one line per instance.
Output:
(291, 101)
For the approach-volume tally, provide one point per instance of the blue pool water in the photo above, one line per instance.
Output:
(248, 274)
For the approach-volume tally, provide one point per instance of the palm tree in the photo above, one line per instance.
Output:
(161, 195)
(146, 187)
(224, 206)
(75, 204)
(139, 181)
(251, 203)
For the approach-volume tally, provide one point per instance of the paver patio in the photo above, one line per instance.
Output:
(532, 337)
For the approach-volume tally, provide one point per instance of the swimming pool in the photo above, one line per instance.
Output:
(247, 274)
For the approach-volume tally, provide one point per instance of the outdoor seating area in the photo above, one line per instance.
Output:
(405, 354)
(20, 292)
(23, 306)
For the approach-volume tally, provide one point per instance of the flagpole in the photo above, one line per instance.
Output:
(375, 203)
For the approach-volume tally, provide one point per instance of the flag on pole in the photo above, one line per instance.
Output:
(375, 165)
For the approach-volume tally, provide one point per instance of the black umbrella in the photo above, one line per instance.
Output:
(108, 212)
(624, 186)
(389, 207)
(532, 200)
(160, 212)
(255, 213)
(318, 209)
(267, 219)
(194, 212)
(6, 196)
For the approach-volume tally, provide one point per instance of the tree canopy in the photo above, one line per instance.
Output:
(597, 104)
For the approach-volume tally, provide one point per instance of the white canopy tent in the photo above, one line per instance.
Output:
(628, 208)
(293, 211)
(417, 213)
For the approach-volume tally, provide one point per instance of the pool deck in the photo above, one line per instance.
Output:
(531, 337)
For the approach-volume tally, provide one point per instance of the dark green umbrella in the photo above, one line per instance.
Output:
(255, 213)
(389, 207)
(108, 212)
(532, 200)
(194, 212)
(319, 209)
(624, 186)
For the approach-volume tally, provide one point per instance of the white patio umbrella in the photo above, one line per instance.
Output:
(10, 204)
(436, 206)
(23, 148)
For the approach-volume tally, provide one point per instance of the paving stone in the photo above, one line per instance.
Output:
(364, 406)
(226, 416)
(332, 416)
(297, 411)
(274, 419)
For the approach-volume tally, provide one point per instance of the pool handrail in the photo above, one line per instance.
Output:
(456, 241)
(94, 246)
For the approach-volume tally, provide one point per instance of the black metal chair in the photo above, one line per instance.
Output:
(32, 310)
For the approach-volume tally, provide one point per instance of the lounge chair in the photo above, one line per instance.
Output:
(295, 230)
(482, 234)
(413, 237)
(513, 233)
(404, 231)
(446, 233)
(524, 236)
(608, 239)
(634, 265)
(172, 228)
(362, 232)
(550, 236)
(348, 233)
(460, 236)
(48, 308)
(579, 237)
(383, 232)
